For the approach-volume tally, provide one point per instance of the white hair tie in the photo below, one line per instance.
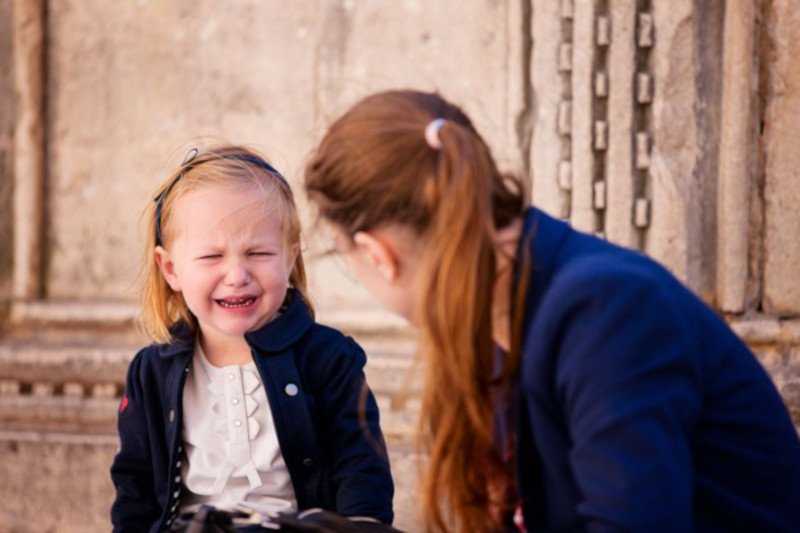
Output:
(432, 133)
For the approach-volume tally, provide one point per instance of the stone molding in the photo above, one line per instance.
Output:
(76, 386)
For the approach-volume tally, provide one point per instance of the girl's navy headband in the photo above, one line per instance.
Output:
(187, 162)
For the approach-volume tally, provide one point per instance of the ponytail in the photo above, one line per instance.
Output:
(458, 275)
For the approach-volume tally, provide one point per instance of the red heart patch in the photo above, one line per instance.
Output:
(124, 403)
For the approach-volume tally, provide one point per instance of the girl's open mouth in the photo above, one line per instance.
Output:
(234, 303)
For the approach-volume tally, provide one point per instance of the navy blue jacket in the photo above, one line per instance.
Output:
(334, 460)
(638, 408)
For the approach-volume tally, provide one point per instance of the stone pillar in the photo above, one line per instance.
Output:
(29, 78)
(7, 116)
(782, 158)
(737, 146)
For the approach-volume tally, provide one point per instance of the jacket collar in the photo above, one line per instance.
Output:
(285, 330)
(542, 239)
(274, 336)
(183, 337)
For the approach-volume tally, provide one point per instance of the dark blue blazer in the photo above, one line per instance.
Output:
(334, 460)
(638, 408)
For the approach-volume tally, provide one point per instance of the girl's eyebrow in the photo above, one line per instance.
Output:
(207, 246)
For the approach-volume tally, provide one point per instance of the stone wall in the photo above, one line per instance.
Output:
(6, 149)
(664, 126)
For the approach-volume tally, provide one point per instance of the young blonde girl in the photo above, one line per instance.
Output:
(242, 399)
(571, 385)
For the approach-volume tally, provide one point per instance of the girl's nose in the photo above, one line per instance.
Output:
(237, 273)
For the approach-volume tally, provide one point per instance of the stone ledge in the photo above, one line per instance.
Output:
(116, 313)
(69, 386)
(66, 312)
(47, 362)
(764, 329)
(59, 414)
(50, 437)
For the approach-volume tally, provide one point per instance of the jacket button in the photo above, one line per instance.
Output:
(308, 461)
(171, 415)
(291, 389)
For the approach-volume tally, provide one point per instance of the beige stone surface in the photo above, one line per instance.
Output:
(55, 483)
(472, 55)
(548, 93)
(69, 476)
(736, 155)
(776, 342)
(582, 213)
(130, 85)
(782, 362)
(29, 125)
(619, 166)
(682, 140)
(127, 94)
(7, 117)
(782, 188)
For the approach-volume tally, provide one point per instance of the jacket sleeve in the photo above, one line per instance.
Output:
(135, 507)
(627, 381)
(351, 431)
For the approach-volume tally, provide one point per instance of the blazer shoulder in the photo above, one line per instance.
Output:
(610, 270)
(149, 360)
(320, 337)
(325, 350)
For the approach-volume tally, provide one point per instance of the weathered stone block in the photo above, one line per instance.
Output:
(55, 483)
(61, 483)
(682, 122)
(126, 98)
(7, 117)
(782, 188)
(127, 95)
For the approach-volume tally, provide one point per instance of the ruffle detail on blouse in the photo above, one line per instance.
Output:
(232, 388)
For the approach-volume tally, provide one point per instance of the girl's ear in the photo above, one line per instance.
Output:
(167, 268)
(379, 252)
(291, 259)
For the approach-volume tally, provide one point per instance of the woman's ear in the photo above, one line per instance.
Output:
(379, 252)
(167, 268)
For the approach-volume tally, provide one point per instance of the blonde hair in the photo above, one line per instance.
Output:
(374, 166)
(222, 166)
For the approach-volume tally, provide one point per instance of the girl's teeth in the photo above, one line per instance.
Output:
(236, 303)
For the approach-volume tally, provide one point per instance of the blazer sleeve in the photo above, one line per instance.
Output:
(135, 507)
(627, 380)
(354, 442)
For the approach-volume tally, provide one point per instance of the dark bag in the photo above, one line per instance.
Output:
(208, 519)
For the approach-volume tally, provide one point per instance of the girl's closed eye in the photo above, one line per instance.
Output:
(262, 253)
(209, 257)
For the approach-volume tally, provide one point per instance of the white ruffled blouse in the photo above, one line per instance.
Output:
(231, 450)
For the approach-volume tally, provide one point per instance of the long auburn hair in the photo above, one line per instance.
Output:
(374, 166)
(220, 166)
